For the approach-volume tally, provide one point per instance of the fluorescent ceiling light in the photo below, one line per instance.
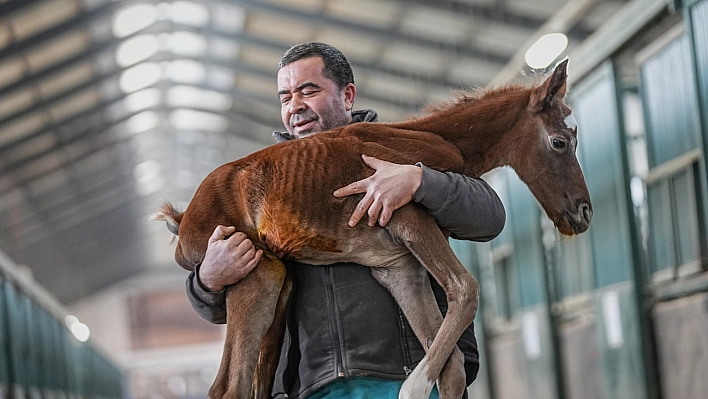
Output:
(139, 77)
(134, 18)
(546, 49)
(198, 120)
(185, 71)
(136, 49)
(187, 96)
(142, 99)
(189, 13)
(142, 122)
(187, 44)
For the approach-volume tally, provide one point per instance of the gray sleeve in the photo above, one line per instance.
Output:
(469, 208)
(210, 305)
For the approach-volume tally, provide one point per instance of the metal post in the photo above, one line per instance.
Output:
(553, 298)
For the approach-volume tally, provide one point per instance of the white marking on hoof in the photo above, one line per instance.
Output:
(417, 385)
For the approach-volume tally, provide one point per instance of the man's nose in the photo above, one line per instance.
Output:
(297, 105)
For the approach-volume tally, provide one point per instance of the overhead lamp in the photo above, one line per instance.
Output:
(142, 122)
(136, 49)
(188, 96)
(80, 330)
(133, 18)
(187, 43)
(189, 13)
(184, 71)
(139, 77)
(198, 120)
(546, 49)
(143, 99)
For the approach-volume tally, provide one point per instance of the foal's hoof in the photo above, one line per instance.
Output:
(417, 386)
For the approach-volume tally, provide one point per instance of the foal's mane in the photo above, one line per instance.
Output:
(481, 95)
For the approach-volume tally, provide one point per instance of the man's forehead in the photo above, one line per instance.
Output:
(298, 72)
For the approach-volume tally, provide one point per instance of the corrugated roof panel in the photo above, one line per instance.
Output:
(20, 128)
(57, 50)
(30, 148)
(16, 101)
(75, 103)
(383, 14)
(43, 16)
(355, 45)
(436, 24)
(416, 59)
(68, 78)
(282, 29)
(12, 70)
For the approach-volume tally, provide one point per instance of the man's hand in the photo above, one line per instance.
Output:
(227, 260)
(389, 188)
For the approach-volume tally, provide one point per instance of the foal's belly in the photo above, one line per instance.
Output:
(368, 246)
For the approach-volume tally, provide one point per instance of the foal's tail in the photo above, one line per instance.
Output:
(171, 216)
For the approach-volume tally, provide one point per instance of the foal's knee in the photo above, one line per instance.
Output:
(467, 297)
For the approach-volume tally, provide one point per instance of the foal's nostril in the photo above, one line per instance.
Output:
(585, 213)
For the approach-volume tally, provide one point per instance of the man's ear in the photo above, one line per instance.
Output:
(554, 86)
(349, 95)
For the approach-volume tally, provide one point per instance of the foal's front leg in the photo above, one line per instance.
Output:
(417, 231)
(409, 284)
(250, 306)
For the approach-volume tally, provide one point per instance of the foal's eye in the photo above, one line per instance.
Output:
(559, 143)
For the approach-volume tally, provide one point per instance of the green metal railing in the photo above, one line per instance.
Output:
(39, 356)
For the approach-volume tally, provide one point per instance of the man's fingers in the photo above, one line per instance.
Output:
(374, 210)
(385, 216)
(254, 262)
(360, 210)
(353, 188)
(221, 232)
(241, 245)
(372, 162)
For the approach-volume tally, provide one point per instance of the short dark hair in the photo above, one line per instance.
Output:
(336, 66)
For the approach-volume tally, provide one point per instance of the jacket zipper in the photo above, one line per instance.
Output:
(334, 324)
(404, 343)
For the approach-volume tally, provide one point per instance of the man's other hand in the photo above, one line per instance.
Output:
(229, 257)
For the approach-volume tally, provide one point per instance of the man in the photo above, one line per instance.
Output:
(346, 337)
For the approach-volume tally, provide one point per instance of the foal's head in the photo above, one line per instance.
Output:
(544, 156)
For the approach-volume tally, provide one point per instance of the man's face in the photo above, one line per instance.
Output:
(310, 102)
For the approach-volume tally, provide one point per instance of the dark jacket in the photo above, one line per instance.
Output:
(342, 322)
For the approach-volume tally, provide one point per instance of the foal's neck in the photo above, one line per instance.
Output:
(481, 128)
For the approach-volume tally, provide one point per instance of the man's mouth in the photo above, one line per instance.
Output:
(304, 125)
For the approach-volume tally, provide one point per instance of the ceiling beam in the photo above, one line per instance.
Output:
(14, 6)
(494, 13)
(321, 18)
(79, 21)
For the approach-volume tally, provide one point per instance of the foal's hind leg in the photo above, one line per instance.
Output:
(410, 286)
(250, 307)
(417, 230)
(271, 345)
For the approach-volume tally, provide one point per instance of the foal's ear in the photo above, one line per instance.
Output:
(554, 86)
